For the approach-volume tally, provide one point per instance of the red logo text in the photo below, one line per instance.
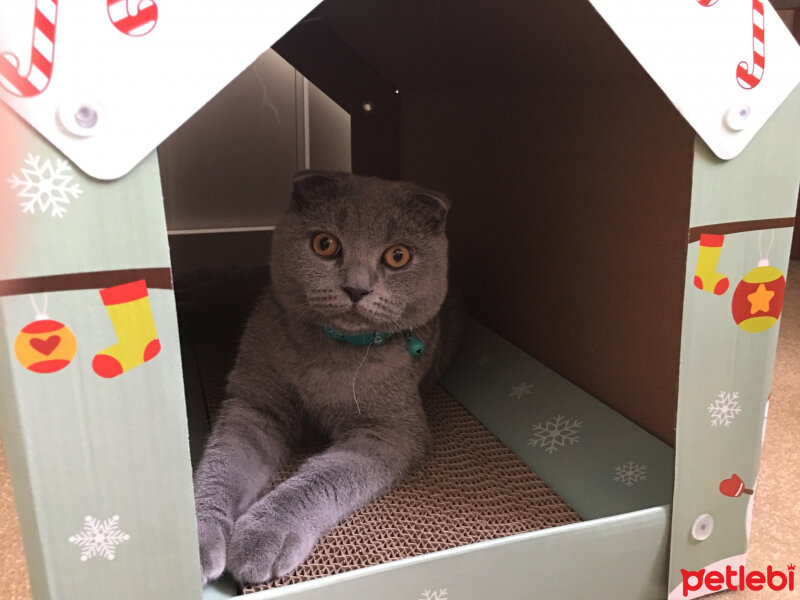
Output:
(738, 579)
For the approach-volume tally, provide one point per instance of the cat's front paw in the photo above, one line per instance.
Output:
(265, 547)
(213, 544)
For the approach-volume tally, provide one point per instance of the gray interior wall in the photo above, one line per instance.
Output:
(227, 172)
(231, 164)
(569, 227)
(329, 133)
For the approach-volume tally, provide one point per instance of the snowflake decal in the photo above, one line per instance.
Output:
(630, 473)
(523, 389)
(99, 538)
(724, 409)
(434, 595)
(45, 186)
(555, 434)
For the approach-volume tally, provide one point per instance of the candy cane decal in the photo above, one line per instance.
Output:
(748, 77)
(136, 24)
(43, 47)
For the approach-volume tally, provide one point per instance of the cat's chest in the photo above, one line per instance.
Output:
(337, 368)
(340, 378)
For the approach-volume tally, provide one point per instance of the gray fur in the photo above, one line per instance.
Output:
(290, 379)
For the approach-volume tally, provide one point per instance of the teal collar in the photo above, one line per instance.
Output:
(415, 346)
(375, 338)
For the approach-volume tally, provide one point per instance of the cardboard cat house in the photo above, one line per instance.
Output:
(624, 178)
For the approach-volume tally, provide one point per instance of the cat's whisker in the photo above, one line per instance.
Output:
(294, 319)
(287, 315)
(363, 360)
(427, 335)
(301, 317)
(384, 316)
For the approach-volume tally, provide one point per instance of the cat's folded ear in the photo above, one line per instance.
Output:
(431, 206)
(313, 187)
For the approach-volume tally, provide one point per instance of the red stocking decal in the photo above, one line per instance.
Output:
(128, 307)
(706, 277)
(137, 23)
(749, 76)
(43, 47)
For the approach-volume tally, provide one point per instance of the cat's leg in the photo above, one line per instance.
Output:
(278, 532)
(244, 450)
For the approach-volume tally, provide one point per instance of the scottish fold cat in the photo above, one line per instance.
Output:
(354, 323)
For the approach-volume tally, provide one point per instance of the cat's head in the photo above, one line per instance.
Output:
(361, 254)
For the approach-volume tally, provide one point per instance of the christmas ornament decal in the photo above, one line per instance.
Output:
(734, 487)
(45, 345)
(128, 307)
(137, 22)
(43, 46)
(758, 299)
(706, 277)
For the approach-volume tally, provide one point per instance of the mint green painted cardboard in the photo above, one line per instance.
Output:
(614, 557)
(761, 183)
(718, 357)
(600, 463)
(134, 237)
(80, 445)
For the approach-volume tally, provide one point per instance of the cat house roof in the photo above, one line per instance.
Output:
(107, 84)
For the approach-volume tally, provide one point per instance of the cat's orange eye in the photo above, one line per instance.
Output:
(397, 256)
(325, 245)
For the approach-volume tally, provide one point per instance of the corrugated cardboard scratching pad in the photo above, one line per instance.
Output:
(470, 489)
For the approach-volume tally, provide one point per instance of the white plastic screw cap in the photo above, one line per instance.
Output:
(736, 117)
(81, 117)
(703, 527)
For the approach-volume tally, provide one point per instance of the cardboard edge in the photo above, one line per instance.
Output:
(546, 555)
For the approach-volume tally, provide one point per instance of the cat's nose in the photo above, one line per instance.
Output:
(355, 294)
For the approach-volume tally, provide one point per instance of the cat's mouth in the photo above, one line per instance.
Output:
(369, 312)
(360, 318)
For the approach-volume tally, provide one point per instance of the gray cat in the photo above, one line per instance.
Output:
(339, 345)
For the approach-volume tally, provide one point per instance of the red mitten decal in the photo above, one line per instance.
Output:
(734, 487)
